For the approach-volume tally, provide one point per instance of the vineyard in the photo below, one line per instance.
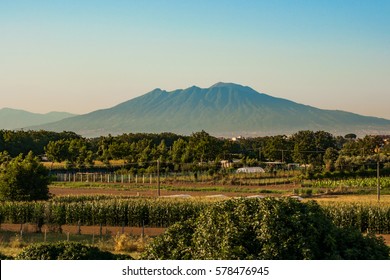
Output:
(164, 212)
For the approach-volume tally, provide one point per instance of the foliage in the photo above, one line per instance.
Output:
(22, 142)
(140, 151)
(110, 212)
(5, 257)
(24, 179)
(65, 251)
(175, 244)
(264, 229)
(373, 218)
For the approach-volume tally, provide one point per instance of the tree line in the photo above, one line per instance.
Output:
(320, 150)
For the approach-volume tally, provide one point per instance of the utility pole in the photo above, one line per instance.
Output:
(158, 177)
(378, 188)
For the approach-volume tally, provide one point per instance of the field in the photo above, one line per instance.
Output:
(176, 202)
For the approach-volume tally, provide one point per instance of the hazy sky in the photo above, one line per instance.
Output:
(79, 56)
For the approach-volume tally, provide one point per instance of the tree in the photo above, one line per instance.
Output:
(330, 157)
(178, 150)
(269, 228)
(277, 148)
(57, 151)
(304, 147)
(24, 179)
(205, 148)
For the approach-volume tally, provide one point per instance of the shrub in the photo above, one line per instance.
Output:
(65, 251)
(24, 179)
(264, 229)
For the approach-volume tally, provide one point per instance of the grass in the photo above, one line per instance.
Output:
(11, 243)
(191, 188)
(369, 199)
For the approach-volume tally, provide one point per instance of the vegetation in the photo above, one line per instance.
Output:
(66, 251)
(264, 229)
(23, 178)
(110, 212)
(202, 229)
(320, 152)
(138, 212)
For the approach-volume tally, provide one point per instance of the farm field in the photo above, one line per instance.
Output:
(172, 194)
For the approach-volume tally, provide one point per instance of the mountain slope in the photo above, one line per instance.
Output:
(223, 109)
(16, 119)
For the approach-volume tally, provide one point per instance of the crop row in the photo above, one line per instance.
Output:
(373, 218)
(114, 212)
(355, 183)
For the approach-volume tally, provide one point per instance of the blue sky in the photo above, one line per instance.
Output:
(79, 56)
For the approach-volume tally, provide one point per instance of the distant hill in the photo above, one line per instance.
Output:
(224, 109)
(17, 119)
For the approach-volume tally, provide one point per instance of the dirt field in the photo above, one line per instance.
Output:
(137, 231)
(152, 191)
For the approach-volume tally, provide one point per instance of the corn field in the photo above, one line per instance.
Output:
(363, 183)
(162, 212)
(373, 218)
(101, 211)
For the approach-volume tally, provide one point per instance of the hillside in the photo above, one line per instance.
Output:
(224, 109)
(17, 119)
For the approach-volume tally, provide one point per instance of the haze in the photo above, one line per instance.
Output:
(80, 56)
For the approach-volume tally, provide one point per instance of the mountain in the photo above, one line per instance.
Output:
(224, 109)
(16, 119)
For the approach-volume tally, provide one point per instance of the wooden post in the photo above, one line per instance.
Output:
(79, 227)
(158, 177)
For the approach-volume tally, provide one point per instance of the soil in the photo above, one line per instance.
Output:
(61, 191)
(136, 231)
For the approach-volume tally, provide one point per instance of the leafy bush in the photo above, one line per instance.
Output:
(264, 229)
(24, 179)
(66, 251)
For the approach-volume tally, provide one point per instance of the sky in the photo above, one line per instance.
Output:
(80, 56)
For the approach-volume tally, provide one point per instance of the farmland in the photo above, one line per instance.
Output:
(96, 213)
(112, 201)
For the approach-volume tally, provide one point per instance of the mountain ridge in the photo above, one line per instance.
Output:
(17, 118)
(223, 109)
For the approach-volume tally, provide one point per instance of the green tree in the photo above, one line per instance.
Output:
(205, 147)
(269, 228)
(24, 179)
(330, 157)
(57, 151)
(277, 148)
(178, 150)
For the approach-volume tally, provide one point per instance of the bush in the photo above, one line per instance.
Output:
(24, 179)
(65, 251)
(277, 229)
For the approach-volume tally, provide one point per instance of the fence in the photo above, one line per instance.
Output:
(285, 177)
